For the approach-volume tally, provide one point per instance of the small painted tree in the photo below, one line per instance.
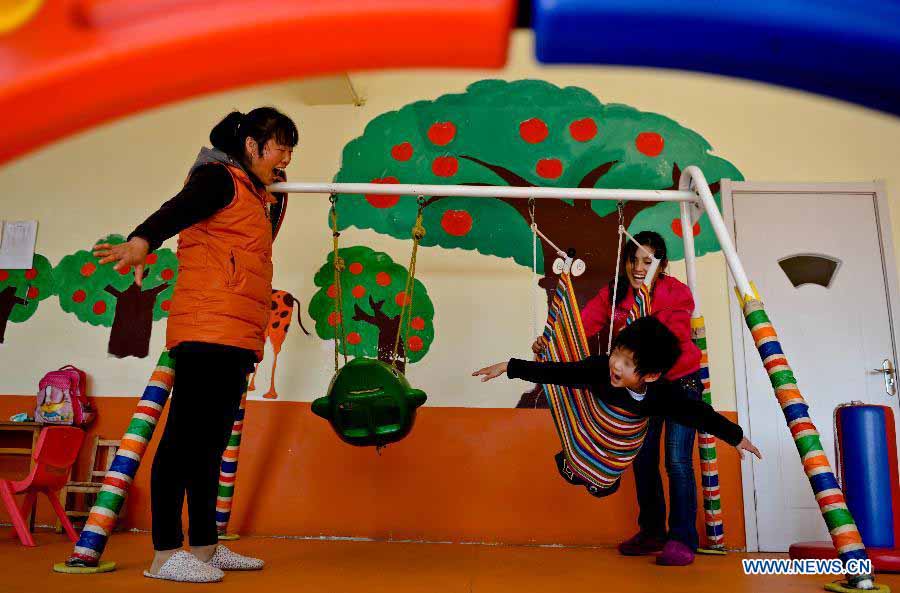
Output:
(373, 294)
(21, 291)
(101, 296)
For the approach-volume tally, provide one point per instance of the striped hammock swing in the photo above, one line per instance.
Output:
(599, 441)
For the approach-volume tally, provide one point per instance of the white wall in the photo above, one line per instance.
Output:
(108, 179)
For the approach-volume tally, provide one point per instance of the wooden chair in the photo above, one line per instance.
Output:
(101, 458)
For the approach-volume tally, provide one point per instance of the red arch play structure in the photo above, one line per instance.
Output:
(70, 65)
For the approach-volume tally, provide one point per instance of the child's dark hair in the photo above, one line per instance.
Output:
(653, 346)
(262, 124)
(629, 253)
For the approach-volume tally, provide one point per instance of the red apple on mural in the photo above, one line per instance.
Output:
(549, 168)
(402, 152)
(380, 201)
(583, 130)
(442, 133)
(445, 166)
(676, 228)
(533, 130)
(650, 143)
(456, 222)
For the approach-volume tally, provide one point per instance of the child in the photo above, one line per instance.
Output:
(672, 303)
(630, 379)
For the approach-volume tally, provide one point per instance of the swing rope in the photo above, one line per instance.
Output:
(648, 279)
(338, 262)
(620, 207)
(535, 233)
(534, 273)
(418, 233)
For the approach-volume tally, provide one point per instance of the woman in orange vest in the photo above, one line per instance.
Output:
(226, 221)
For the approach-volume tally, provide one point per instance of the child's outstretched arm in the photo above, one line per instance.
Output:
(700, 415)
(209, 189)
(746, 445)
(583, 373)
(491, 372)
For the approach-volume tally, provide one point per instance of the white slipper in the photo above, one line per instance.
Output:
(184, 567)
(225, 559)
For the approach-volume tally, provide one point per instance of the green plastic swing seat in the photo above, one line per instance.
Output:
(369, 403)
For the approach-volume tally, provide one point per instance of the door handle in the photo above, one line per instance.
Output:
(890, 379)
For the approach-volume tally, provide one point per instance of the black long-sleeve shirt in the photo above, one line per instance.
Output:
(209, 189)
(662, 398)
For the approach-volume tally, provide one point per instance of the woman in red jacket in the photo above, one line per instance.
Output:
(671, 302)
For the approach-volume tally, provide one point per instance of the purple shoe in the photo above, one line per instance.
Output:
(641, 544)
(675, 553)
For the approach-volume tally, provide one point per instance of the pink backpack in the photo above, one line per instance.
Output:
(61, 398)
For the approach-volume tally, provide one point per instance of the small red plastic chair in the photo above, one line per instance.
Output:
(55, 453)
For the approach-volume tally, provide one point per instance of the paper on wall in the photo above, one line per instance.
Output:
(17, 244)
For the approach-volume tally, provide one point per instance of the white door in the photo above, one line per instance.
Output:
(816, 259)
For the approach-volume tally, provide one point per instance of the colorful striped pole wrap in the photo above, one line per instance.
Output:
(709, 464)
(228, 470)
(844, 534)
(599, 441)
(124, 466)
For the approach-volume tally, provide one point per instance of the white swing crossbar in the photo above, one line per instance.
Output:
(492, 191)
(692, 189)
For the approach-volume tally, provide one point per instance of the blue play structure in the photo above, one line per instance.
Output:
(866, 461)
(843, 49)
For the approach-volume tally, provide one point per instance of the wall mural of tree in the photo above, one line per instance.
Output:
(523, 134)
(100, 295)
(21, 291)
(373, 287)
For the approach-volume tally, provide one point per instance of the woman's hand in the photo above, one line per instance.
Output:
(746, 445)
(133, 253)
(491, 372)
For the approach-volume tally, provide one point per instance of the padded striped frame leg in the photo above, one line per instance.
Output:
(709, 463)
(124, 466)
(228, 473)
(844, 533)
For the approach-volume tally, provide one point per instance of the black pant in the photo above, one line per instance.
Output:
(205, 400)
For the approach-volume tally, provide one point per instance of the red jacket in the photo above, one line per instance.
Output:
(672, 303)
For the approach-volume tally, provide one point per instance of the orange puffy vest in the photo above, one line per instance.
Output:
(224, 288)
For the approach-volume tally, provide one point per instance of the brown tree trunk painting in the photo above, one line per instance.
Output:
(133, 321)
(574, 227)
(8, 300)
(387, 332)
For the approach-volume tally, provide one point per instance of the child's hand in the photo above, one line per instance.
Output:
(491, 372)
(746, 445)
(538, 346)
(133, 253)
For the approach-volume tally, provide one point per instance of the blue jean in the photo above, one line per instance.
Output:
(679, 467)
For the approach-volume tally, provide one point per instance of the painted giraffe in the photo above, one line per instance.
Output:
(279, 321)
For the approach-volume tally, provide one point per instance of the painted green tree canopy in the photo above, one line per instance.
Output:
(373, 287)
(100, 295)
(21, 291)
(526, 133)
